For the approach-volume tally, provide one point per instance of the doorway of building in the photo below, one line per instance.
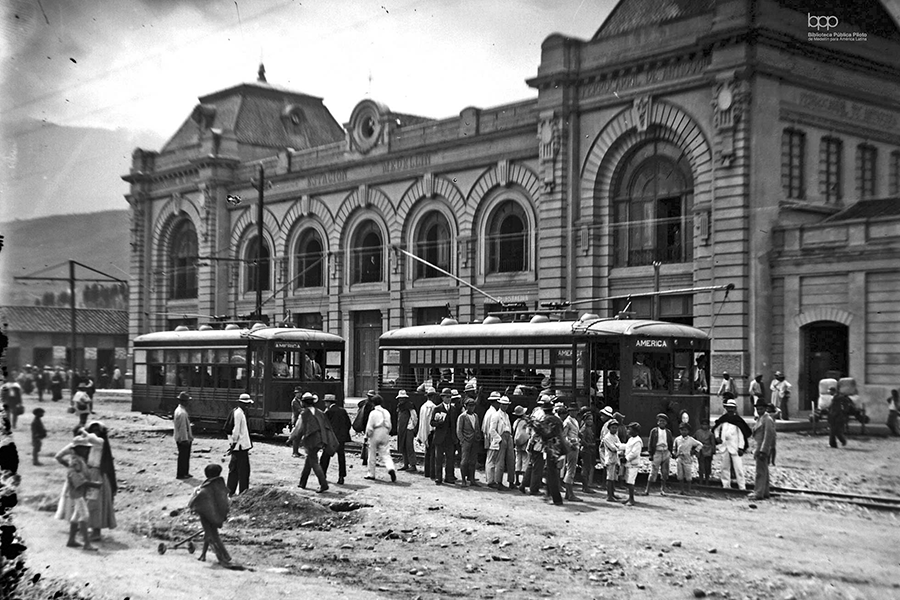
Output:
(366, 331)
(825, 354)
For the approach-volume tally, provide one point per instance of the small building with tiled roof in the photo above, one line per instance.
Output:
(42, 336)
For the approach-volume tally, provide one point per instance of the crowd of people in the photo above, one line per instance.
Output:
(538, 452)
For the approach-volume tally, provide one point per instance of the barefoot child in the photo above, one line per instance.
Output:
(73, 506)
(210, 502)
(633, 448)
(685, 449)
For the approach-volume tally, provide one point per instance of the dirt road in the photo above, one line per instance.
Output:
(420, 540)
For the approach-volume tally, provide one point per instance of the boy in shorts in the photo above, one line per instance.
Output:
(611, 448)
(685, 449)
(633, 448)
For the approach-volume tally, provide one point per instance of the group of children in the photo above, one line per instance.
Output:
(618, 456)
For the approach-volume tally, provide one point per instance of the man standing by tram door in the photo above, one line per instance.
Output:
(239, 450)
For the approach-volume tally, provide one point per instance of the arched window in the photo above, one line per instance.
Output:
(183, 262)
(507, 239)
(433, 245)
(652, 201)
(366, 254)
(256, 261)
(309, 260)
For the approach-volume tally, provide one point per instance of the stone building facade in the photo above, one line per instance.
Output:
(687, 144)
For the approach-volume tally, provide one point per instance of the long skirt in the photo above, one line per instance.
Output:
(100, 503)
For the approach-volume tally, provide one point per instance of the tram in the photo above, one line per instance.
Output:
(215, 366)
(638, 367)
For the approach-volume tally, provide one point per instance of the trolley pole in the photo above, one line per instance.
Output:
(259, 248)
(72, 362)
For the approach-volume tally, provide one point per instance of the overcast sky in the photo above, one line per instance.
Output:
(141, 64)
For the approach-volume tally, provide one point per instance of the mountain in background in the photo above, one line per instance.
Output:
(99, 240)
(50, 169)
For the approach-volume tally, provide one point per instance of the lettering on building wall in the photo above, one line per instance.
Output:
(326, 178)
(407, 163)
(658, 74)
(849, 110)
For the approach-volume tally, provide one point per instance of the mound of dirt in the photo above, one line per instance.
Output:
(265, 507)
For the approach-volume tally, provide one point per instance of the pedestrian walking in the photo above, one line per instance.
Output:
(756, 391)
(780, 389)
(378, 432)
(838, 416)
(550, 429)
(364, 409)
(210, 502)
(184, 437)
(38, 434)
(239, 447)
(11, 397)
(764, 437)
(588, 441)
(39, 382)
(727, 386)
(407, 426)
(340, 425)
(81, 403)
(57, 381)
(310, 429)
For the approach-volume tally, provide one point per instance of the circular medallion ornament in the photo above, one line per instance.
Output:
(725, 98)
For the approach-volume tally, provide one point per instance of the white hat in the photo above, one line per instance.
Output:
(730, 403)
(607, 411)
(494, 397)
(402, 394)
(471, 385)
(503, 400)
(245, 399)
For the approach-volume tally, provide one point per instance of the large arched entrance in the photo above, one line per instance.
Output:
(824, 353)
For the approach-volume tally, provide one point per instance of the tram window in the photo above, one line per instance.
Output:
(170, 374)
(701, 374)
(312, 365)
(683, 364)
(334, 365)
(279, 364)
(651, 371)
(390, 374)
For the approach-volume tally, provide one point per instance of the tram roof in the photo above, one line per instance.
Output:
(588, 327)
(236, 335)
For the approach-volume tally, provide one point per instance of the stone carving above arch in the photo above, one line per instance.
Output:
(304, 208)
(247, 220)
(363, 197)
(504, 174)
(836, 315)
(430, 187)
(177, 208)
(661, 120)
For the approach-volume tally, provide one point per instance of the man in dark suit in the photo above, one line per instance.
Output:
(340, 423)
(443, 419)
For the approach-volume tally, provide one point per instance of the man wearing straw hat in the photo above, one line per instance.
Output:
(468, 431)
(239, 448)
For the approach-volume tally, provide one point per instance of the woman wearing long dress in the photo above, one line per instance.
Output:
(103, 470)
